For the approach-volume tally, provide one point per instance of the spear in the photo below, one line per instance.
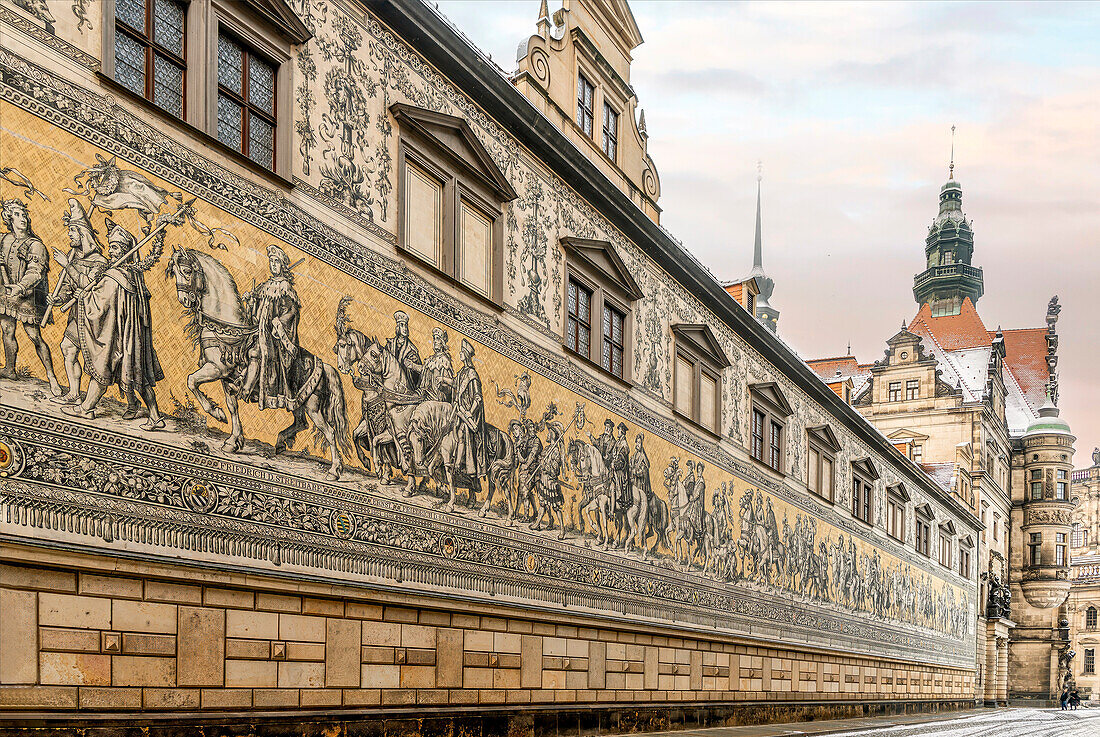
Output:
(174, 219)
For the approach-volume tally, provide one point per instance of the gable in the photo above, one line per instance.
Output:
(825, 435)
(899, 492)
(283, 18)
(770, 393)
(866, 467)
(703, 341)
(603, 257)
(454, 137)
(903, 434)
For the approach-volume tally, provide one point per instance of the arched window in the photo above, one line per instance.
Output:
(1090, 618)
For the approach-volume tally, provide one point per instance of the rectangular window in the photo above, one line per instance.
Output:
(895, 518)
(813, 474)
(610, 131)
(475, 249)
(151, 51)
(423, 214)
(612, 358)
(775, 457)
(246, 101)
(1089, 667)
(1036, 474)
(912, 389)
(1062, 473)
(708, 401)
(1060, 555)
(918, 452)
(758, 420)
(945, 549)
(964, 562)
(862, 491)
(1063, 490)
(921, 538)
(827, 478)
(894, 392)
(1076, 536)
(586, 95)
(1036, 489)
(578, 333)
(1035, 548)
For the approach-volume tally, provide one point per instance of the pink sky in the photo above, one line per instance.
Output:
(849, 106)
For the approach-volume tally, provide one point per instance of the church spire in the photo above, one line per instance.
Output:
(951, 166)
(764, 311)
(757, 248)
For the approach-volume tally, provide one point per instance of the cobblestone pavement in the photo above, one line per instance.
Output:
(977, 723)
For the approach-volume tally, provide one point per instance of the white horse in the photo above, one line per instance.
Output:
(587, 465)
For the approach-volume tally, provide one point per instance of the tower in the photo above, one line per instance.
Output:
(949, 247)
(764, 311)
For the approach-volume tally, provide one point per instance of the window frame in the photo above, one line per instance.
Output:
(1035, 549)
(821, 440)
(893, 391)
(864, 476)
(243, 99)
(583, 113)
(590, 290)
(1088, 662)
(897, 510)
(702, 363)
(613, 155)
(912, 389)
(597, 266)
(1090, 618)
(922, 532)
(768, 400)
(146, 37)
(966, 550)
(1061, 550)
(945, 550)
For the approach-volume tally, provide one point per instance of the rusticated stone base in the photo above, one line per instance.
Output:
(483, 722)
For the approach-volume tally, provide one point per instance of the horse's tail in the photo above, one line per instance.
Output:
(336, 412)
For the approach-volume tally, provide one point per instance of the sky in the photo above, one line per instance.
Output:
(849, 107)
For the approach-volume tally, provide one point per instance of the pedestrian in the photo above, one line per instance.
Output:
(1065, 699)
(1074, 699)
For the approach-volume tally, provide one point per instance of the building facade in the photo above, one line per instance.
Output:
(348, 374)
(976, 409)
(1084, 596)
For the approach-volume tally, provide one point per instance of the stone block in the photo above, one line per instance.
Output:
(274, 698)
(110, 698)
(230, 598)
(314, 651)
(362, 697)
(417, 676)
(170, 698)
(419, 656)
(66, 610)
(19, 638)
(381, 634)
(448, 658)
(415, 635)
(38, 697)
(251, 674)
(650, 667)
(247, 624)
(301, 675)
(301, 628)
(134, 644)
(172, 592)
(226, 698)
(201, 648)
(248, 649)
(74, 669)
(327, 607)
(506, 678)
(597, 664)
(380, 676)
(359, 610)
(398, 697)
(399, 614)
(138, 670)
(39, 579)
(65, 640)
(478, 641)
(278, 603)
(530, 661)
(433, 618)
(319, 697)
(117, 588)
(143, 616)
(342, 653)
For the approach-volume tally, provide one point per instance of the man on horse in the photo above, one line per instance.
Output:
(405, 351)
(275, 310)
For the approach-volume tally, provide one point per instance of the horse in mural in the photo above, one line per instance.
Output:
(587, 465)
(350, 348)
(224, 332)
(688, 528)
(756, 543)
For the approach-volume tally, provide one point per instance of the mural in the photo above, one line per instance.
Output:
(227, 353)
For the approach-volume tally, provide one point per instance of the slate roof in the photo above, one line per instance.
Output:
(942, 473)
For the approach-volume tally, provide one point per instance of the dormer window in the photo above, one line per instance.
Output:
(610, 131)
(893, 392)
(912, 388)
(586, 101)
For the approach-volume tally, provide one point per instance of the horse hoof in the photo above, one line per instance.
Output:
(332, 476)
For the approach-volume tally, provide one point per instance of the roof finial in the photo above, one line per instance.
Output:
(757, 257)
(951, 167)
(849, 349)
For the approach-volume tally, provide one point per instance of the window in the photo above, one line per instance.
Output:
(1060, 549)
(450, 196)
(1090, 618)
(751, 304)
(610, 131)
(770, 411)
(996, 526)
(894, 392)
(945, 548)
(599, 295)
(1063, 490)
(922, 535)
(896, 499)
(246, 101)
(699, 361)
(586, 96)
(918, 452)
(1089, 667)
(1076, 538)
(912, 389)
(1036, 489)
(823, 445)
(1035, 549)
(863, 489)
(578, 334)
(151, 51)
(964, 561)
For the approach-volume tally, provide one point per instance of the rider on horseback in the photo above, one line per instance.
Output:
(275, 309)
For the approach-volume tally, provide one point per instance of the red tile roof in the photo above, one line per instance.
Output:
(826, 368)
(952, 332)
(1026, 357)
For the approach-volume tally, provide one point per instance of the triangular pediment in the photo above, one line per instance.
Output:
(903, 434)
(948, 527)
(703, 341)
(925, 510)
(618, 19)
(825, 435)
(280, 15)
(899, 491)
(603, 257)
(456, 139)
(866, 467)
(770, 393)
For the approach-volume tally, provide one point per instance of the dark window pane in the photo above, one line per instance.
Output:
(607, 323)
(230, 65)
(130, 63)
(168, 85)
(606, 358)
(168, 25)
(583, 341)
(229, 122)
(261, 84)
(572, 297)
(583, 307)
(261, 141)
(132, 13)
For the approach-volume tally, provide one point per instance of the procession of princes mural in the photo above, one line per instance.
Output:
(393, 407)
